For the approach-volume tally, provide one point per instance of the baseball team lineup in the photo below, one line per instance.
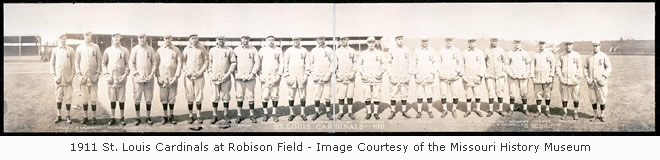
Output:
(483, 74)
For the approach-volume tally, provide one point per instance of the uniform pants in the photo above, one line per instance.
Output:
(518, 87)
(371, 92)
(449, 88)
(322, 90)
(146, 89)
(63, 94)
(245, 90)
(194, 89)
(221, 92)
(570, 91)
(345, 90)
(117, 94)
(495, 87)
(598, 94)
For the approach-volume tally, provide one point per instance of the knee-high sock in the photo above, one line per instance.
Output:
(511, 103)
(137, 109)
(377, 108)
(490, 104)
(199, 110)
(264, 104)
(148, 110)
(274, 107)
(350, 105)
(367, 104)
(478, 101)
(164, 109)
(454, 104)
(190, 109)
(113, 105)
(341, 105)
(225, 105)
(290, 107)
(328, 106)
(538, 105)
(59, 108)
(317, 104)
(392, 105)
(420, 102)
(251, 105)
(524, 101)
(85, 107)
(121, 109)
(68, 109)
(240, 107)
(171, 108)
(602, 110)
(215, 109)
(499, 102)
(93, 110)
(468, 105)
(547, 105)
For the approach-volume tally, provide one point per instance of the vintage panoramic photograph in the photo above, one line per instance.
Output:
(329, 67)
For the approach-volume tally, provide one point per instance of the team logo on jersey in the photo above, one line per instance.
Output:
(574, 61)
(600, 62)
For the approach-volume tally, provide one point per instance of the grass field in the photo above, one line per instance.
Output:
(29, 107)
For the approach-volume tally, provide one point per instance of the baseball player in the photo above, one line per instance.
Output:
(424, 74)
(570, 72)
(345, 72)
(61, 67)
(596, 70)
(115, 62)
(222, 63)
(88, 70)
(449, 70)
(195, 62)
(169, 70)
(400, 73)
(543, 65)
(518, 69)
(495, 75)
(144, 64)
(370, 66)
(296, 71)
(270, 74)
(320, 61)
(247, 65)
(474, 69)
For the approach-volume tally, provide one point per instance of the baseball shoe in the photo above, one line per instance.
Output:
(405, 115)
(341, 115)
(467, 114)
(490, 113)
(93, 120)
(547, 114)
(563, 116)
(316, 116)
(329, 115)
(376, 116)
(537, 114)
(149, 121)
(367, 116)
(392, 114)
(84, 120)
(58, 119)
(291, 117)
(172, 120)
(575, 116)
(253, 119)
(594, 119)
(453, 114)
(68, 120)
(444, 114)
(350, 115)
(191, 120)
(215, 120)
(137, 122)
(602, 119)
(111, 122)
(239, 119)
(430, 114)
(525, 113)
(419, 115)
(266, 118)
(275, 119)
(122, 121)
(478, 113)
(163, 121)
(304, 118)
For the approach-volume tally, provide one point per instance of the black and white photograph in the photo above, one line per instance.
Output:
(329, 67)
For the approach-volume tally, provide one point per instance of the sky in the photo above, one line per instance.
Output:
(526, 21)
